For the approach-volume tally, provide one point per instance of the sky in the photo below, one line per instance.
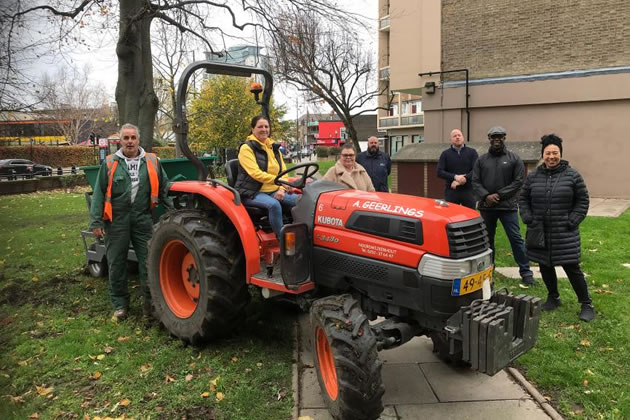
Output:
(101, 56)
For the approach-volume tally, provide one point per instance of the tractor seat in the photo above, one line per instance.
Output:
(258, 215)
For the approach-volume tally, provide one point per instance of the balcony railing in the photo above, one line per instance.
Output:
(388, 122)
(383, 74)
(412, 120)
(385, 22)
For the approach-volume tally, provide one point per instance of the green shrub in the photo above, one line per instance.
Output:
(321, 151)
(334, 151)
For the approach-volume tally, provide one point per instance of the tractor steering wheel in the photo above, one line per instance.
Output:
(300, 182)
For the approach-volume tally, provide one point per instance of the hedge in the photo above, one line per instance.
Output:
(321, 151)
(65, 156)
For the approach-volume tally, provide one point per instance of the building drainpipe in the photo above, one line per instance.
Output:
(431, 73)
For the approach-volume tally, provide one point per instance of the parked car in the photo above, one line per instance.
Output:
(22, 168)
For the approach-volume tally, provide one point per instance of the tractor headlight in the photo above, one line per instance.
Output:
(448, 268)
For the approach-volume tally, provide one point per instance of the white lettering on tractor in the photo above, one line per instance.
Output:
(388, 208)
(326, 220)
(377, 250)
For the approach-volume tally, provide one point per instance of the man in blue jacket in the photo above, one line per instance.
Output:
(497, 180)
(455, 168)
(377, 164)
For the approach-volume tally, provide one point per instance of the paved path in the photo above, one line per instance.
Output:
(420, 386)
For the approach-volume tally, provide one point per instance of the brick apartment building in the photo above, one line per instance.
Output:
(534, 67)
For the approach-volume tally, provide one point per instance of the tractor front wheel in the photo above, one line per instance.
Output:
(346, 359)
(196, 275)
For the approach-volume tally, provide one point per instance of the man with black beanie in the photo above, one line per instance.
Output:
(497, 179)
(455, 167)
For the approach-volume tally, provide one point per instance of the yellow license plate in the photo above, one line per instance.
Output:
(471, 283)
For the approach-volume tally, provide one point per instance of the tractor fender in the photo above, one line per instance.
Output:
(224, 200)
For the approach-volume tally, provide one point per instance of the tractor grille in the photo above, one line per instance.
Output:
(340, 264)
(467, 238)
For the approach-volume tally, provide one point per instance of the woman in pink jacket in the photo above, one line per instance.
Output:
(348, 172)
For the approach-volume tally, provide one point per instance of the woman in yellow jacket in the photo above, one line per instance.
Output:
(260, 161)
(348, 172)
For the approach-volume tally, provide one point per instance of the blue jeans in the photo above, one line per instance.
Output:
(274, 207)
(509, 220)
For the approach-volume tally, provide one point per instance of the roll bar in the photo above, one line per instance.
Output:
(180, 125)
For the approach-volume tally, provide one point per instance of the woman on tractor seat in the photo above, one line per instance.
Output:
(260, 161)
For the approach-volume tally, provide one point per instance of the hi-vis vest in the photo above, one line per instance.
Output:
(152, 166)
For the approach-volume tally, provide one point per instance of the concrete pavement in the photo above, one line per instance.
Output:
(420, 386)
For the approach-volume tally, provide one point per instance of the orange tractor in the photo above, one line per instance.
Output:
(374, 269)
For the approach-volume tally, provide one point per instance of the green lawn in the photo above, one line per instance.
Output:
(584, 367)
(62, 357)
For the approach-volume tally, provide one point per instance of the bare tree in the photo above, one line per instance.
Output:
(328, 61)
(136, 98)
(74, 101)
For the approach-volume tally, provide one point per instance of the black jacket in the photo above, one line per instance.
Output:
(502, 174)
(378, 167)
(560, 212)
(247, 186)
(453, 163)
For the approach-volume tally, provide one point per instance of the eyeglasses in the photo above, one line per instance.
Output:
(129, 137)
(347, 155)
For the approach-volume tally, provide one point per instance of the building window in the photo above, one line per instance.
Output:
(396, 144)
(416, 107)
(405, 108)
(417, 138)
(393, 110)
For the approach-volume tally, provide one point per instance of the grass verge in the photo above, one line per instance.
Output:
(583, 368)
(62, 357)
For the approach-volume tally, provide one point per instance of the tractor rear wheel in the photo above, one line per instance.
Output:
(346, 359)
(196, 274)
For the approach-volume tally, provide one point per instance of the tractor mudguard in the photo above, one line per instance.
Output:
(491, 334)
(224, 199)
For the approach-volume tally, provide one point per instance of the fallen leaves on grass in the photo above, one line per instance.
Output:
(100, 357)
(234, 359)
(220, 396)
(205, 394)
(168, 379)
(188, 377)
(585, 343)
(108, 349)
(124, 402)
(34, 416)
(43, 390)
(589, 372)
(585, 382)
(122, 339)
(603, 292)
(146, 368)
(17, 399)
(96, 375)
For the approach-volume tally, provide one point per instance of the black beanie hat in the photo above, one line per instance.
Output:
(548, 139)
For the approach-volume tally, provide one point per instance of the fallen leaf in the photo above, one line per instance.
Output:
(603, 292)
(213, 387)
(593, 250)
(108, 349)
(23, 363)
(585, 343)
(547, 398)
(220, 396)
(100, 357)
(169, 379)
(34, 416)
(96, 375)
(145, 368)
(205, 394)
(588, 391)
(259, 364)
(522, 286)
(40, 323)
(43, 390)
(17, 400)
(188, 377)
(123, 339)
(125, 402)
(578, 411)
(585, 382)
(605, 286)
(214, 381)
(234, 359)
(589, 372)
(92, 357)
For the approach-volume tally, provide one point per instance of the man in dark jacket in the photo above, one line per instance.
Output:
(455, 167)
(497, 180)
(377, 164)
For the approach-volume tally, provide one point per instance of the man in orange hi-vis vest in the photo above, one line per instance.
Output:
(130, 183)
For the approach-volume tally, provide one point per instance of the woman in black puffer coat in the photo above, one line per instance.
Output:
(555, 196)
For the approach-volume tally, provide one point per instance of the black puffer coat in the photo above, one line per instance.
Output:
(561, 212)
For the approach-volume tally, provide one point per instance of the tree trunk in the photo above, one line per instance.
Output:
(137, 101)
(351, 133)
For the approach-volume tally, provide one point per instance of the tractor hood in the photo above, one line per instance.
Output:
(396, 228)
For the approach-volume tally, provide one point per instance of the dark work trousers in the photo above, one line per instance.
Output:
(463, 196)
(576, 277)
(509, 220)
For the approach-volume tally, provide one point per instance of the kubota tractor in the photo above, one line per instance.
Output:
(375, 269)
